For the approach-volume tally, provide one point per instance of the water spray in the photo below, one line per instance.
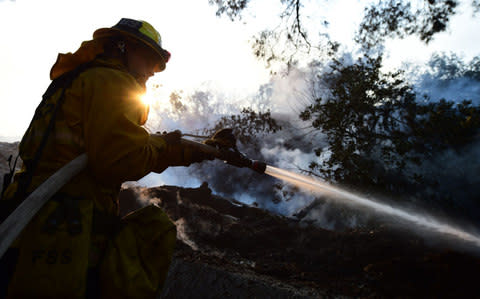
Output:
(424, 221)
(236, 158)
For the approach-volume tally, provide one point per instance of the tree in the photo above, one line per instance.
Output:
(283, 43)
(448, 67)
(232, 8)
(393, 18)
(378, 133)
(247, 126)
(357, 116)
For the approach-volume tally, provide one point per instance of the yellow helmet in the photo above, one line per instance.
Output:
(139, 30)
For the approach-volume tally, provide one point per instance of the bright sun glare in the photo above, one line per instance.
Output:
(148, 98)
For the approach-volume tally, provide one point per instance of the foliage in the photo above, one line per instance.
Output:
(247, 126)
(392, 18)
(176, 102)
(377, 130)
(449, 67)
(286, 40)
(395, 18)
(356, 117)
(445, 124)
(232, 8)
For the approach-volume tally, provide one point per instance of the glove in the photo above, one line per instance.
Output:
(193, 155)
(172, 138)
(223, 139)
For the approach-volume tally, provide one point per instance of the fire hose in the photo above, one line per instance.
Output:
(21, 216)
(229, 155)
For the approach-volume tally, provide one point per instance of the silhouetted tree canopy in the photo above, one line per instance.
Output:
(247, 126)
(382, 19)
(446, 67)
(231, 8)
(395, 18)
(376, 128)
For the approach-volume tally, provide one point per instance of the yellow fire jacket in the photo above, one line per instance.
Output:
(102, 115)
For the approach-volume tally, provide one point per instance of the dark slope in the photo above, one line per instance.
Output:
(225, 246)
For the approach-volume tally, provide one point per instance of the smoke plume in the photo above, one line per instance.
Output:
(292, 148)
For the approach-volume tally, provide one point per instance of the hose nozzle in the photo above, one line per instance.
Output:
(238, 159)
(258, 166)
(229, 155)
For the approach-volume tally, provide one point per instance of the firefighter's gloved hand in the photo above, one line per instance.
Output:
(193, 155)
(171, 138)
(223, 139)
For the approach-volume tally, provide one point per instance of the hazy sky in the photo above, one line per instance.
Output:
(205, 49)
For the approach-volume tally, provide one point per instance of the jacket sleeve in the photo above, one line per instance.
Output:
(119, 149)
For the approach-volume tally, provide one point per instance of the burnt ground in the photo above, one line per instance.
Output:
(228, 249)
(242, 251)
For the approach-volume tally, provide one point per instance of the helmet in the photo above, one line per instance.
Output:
(138, 30)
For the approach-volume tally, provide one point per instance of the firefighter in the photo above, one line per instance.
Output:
(76, 246)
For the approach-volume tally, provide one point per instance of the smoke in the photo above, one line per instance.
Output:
(452, 90)
(447, 76)
(456, 181)
(454, 171)
(324, 212)
(292, 148)
(284, 97)
(188, 113)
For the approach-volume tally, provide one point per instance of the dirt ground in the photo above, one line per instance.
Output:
(383, 262)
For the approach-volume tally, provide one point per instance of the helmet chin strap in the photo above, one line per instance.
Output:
(121, 46)
(123, 50)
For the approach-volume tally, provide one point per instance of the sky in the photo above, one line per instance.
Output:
(206, 50)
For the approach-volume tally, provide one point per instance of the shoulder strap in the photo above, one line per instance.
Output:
(7, 178)
(63, 82)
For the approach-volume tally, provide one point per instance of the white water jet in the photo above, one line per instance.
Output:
(417, 219)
